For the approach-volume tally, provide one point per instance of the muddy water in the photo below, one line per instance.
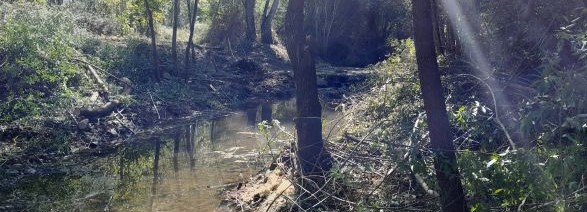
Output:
(183, 169)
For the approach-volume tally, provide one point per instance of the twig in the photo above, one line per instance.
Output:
(424, 186)
(97, 78)
(123, 122)
(154, 105)
(496, 118)
(101, 70)
(389, 173)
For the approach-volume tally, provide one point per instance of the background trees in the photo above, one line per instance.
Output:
(157, 73)
(532, 52)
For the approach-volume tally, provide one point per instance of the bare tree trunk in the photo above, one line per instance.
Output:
(470, 26)
(156, 67)
(476, 17)
(174, 36)
(451, 39)
(437, 26)
(266, 112)
(266, 24)
(265, 8)
(445, 161)
(121, 164)
(192, 13)
(176, 141)
(313, 158)
(251, 33)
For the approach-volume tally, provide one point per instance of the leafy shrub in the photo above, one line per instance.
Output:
(99, 25)
(37, 50)
(546, 174)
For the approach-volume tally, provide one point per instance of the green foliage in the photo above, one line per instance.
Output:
(130, 15)
(525, 179)
(395, 100)
(37, 50)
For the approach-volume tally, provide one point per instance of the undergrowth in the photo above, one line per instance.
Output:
(387, 141)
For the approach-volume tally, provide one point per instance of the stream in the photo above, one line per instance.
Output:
(184, 169)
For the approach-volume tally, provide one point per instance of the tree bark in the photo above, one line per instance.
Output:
(193, 13)
(313, 159)
(265, 8)
(149, 14)
(251, 33)
(174, 36)
(437, 26)
(445, 161)
(266, 24)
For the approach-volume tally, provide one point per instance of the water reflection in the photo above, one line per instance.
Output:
(182, 169)
(155, 172)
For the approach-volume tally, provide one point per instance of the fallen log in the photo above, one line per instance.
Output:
(93, 113)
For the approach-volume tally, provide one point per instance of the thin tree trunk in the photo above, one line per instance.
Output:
(121, 164)
(445, 161)
(476, 17)
(193, 13)
(266, 24)
(451, 39)
(212, 137)
(176, 151)
(251, 33)
(437, 26)
(314, 161)
(156, 67)
(267, 112)
(174, 36)
(265, 9)
(252, 116)
(470, 26)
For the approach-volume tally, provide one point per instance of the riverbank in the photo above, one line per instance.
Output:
(222, 83)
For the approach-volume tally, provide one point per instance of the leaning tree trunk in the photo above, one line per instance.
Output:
(192, 14)
(156, 67)
(313, 160)
(266, 24)
(251, 33)
(174, 36)
(445, 161)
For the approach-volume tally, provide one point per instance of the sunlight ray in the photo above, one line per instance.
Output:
(480, 63)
